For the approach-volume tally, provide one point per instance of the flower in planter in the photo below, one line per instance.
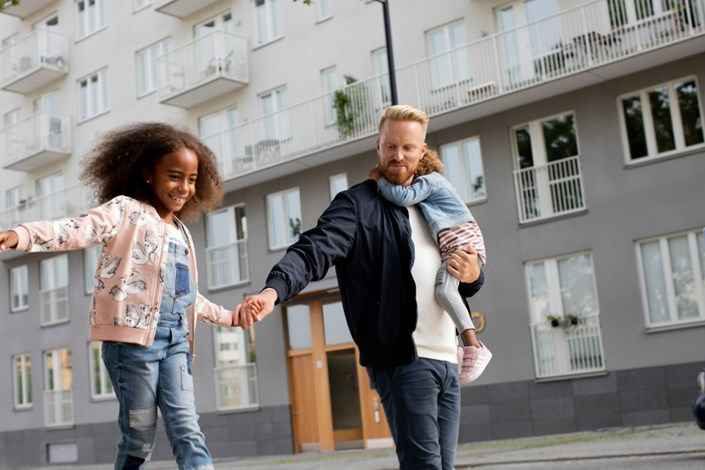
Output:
(571, 319)
(554, 320)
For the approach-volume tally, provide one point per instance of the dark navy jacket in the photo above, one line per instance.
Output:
(368, 240)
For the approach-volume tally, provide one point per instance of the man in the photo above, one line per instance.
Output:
(386, 261)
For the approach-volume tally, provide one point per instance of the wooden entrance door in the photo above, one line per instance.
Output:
(333, 405)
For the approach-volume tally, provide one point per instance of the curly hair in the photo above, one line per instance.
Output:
(117, 163)
(430, 162)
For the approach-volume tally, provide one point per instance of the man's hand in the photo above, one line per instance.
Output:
(463, 265)
(255, 307)
(8, 240)
(374, 173)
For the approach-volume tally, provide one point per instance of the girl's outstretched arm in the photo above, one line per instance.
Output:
(8, 240)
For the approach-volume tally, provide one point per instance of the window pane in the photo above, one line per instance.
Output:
(559, 137)
(683, 278)
(540, 305)
(690, 113)
(335, 325)
(661, 115)
(577, 286)
(219, 228)
(634, 120)
(475, 173)
(299, 326)
(524, 152)
(657, 297)
(275, 212)
(293, 211)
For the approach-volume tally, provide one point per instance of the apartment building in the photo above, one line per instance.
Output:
(573, 129)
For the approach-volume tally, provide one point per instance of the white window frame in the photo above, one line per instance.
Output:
(652, 152)
(53, 290)
(329, 83)
(146, 66)
(380, 65)
(51, 196)
(324, 10)
(234, 253)
(279, 215)
(276, 122)
(24, 377)
(58, 388)
(138, 5)
(92, 91)
(101, 386)
(464, 174)
(337, 183)
(268, 21)
(221, 132)
(91, 257)
(696, 243)
(451, 64)
(90, 19)
(19, 288)
(235, 372)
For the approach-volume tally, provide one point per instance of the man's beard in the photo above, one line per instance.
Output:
(398, 177)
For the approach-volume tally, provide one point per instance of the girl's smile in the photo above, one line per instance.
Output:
(173, 181)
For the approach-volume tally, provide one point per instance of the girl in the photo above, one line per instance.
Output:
(148, 177)
(453, 227)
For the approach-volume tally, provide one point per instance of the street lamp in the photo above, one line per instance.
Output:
(390, 52)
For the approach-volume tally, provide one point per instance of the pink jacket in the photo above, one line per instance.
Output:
(129, 278)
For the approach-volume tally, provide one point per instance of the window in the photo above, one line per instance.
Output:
(90, 17)
(147, 66)
(276, 116)
(90, 265)
(547, 172)
(53, 290)
(58, 384)
(564, 288)
(284, 218)
(22, 383)
(93, 95)
(236, 371)
(661, 120)
(449, 65)
(380, 66)
(338, 183)
(51, 197)
(329, 82)
(215, 45)
(140, 4)
(16, 206)
(19, 288)
(226, 231)
(220, 133)
(323, 9)
(101, 386)
(672, 273)
(463, 168)
(268, 20)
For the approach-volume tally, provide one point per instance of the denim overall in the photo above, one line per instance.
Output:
(145, 377)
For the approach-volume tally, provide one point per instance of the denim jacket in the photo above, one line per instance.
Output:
(440, 203)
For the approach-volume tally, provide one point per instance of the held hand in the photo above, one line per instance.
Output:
(255, 307)
(463, 264)
(8, 240)
(374, 173)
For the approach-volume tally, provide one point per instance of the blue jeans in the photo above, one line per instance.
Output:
(422, 404)
(147, 377)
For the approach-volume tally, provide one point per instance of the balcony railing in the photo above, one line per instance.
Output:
(54, 306)
(58, 408)
(568, 349)
(70, 201)
(576, 40)
(227, 264)
(35, 141)
(181, 8)
(549, 190)
(202, 69)
(236, 387)
(33, 61)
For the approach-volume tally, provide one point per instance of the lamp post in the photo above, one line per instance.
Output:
(390, 52)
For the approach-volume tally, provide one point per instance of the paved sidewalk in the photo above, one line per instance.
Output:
(639, 441)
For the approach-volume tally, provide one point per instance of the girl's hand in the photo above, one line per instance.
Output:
(8, 240)
(463, 264)
(255, 307)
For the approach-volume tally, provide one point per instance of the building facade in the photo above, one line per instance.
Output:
(573, 129)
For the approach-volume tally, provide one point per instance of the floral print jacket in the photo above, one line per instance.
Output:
(129, 278)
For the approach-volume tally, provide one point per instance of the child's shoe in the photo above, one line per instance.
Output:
(474, 362)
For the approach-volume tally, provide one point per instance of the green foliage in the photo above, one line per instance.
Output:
(351, 105)
(306, 2)
(7, 3)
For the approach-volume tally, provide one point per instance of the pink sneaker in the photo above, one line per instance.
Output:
(473, 363)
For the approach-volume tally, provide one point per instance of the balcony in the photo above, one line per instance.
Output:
(568, 349)
(26, 8)
(202, 69)
(35, 141)
(58, 408)
(68, 202)
(181, 8)
(589, 44)
(34, 61)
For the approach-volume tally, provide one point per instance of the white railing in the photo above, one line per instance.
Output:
(568, 349)
(227, 264)
(41, 48)
(569, 42)
(39, 132)
(236, 387)
(217, 54)
(53, 306)
(549, 190)
(69, 202)
(58, 408)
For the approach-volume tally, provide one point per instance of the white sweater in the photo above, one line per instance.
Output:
(435, 331)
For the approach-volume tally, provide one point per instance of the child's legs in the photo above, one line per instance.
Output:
(448, 296)
(134, 372)
(178, 405)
